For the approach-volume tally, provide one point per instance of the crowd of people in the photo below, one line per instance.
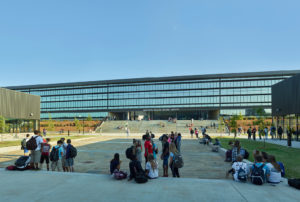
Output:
(264, 169)
(61, 156)
(170, 156)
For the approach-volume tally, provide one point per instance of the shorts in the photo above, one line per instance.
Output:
(63, 161)
(44, 158)
(56, 165)
(35, 156)
(166, 160)
(69, 162)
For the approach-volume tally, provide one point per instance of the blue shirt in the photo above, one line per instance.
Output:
(60, 150)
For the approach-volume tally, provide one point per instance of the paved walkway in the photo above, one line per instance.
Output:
(295, 144)
(52, 186)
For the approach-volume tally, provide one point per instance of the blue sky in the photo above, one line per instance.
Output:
(75, 40)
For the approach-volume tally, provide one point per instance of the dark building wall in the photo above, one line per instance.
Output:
(286, 97)
(17, 105)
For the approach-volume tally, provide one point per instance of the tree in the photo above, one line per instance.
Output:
(89, 118)
(77, 124)
(233, 124)
(2, 124)
(51, 126)
(221, 125)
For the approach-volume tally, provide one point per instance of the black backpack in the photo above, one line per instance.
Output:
(178, 161)
(258, 175)
(73, 151)
(54, 154)
(129, 153)
(31, 144)
(22, 162)
(140, 178)
(294, 183)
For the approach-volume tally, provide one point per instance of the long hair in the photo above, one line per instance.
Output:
(272, 160)
(237, 145)
(152, 162)
(116, 157)
(173, 148)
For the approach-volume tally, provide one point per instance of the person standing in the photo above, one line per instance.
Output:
(63, 159)
(57, 157)
(44, 132)
(165, 155)
(148, 147)
(178, 142)
(273, 131)
(192, 133)
(254, 133)
(266, 131)
(45, 153)
(249, 131)
(196, 132)
(69, 157)
(279, 132)
(36, 153)
(173, 152)
(138, 151)
(23, 144)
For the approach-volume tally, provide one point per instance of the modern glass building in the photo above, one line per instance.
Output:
(186, 97)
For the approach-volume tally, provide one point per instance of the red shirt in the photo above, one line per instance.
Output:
(149, 147)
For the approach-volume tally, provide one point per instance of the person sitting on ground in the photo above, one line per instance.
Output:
(236, 150)
(216, 145)
(239, 170)
(115, 163)
(275, 170)
(152, 167)
(135, 168)
(259, 163)
(45, 148)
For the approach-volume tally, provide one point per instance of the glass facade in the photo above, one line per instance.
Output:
(228, 95)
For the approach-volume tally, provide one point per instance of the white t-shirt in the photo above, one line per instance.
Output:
(275, 175)
(39, 140)
(236, 166)
(152, 173)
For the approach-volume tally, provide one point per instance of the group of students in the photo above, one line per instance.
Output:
(264, 169)
(196, 131)
(61, 156)
(264, 132)
(170, 156)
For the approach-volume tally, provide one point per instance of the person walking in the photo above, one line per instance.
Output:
(192, 133)
(196, 132)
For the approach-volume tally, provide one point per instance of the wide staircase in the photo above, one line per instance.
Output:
(155, 126)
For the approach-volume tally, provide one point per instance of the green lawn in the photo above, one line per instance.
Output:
(290, 157)
(18, 142)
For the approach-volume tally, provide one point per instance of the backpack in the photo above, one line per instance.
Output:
(54, 154)
(294, 183)
(228, 157)
(140, 178)
(23, 144)
(129, 153)
(258, 175)
(119, 175)
(178, 161)
(242, 175)
(73, 151)
(22, 162)
(31, 143)
(246, 156)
